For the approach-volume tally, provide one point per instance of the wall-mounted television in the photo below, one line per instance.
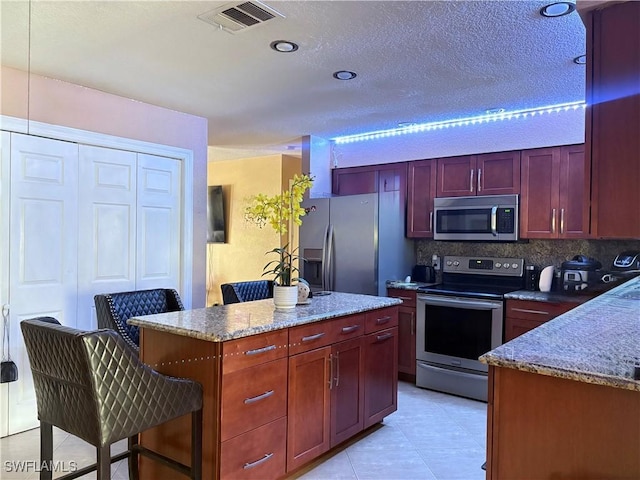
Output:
(216, 225)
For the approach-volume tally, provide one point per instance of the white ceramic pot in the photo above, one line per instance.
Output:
(285, 298)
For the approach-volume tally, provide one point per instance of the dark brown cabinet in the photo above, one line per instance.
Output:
(421, 190)
(347, 390)
(406, 333)
(613, 118)
(524, 315)
(555, 193)
(485, 174)
(370, 179)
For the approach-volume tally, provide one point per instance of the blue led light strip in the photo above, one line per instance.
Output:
(491, 117)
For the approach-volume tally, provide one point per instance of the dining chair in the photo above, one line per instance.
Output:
(92, 385)
(246, 291)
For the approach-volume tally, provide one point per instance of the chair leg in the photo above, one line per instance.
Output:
(196, 445)
(104, 462)
(133, 458)
(46, 450)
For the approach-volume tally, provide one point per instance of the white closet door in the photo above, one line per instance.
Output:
(43, 251)
(159, 222)
(5, 159)
(107, 226)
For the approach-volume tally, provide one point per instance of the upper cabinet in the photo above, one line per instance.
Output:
(370, 179)
(421, 190)
(613, 119)
(486, 174)
(555, 187)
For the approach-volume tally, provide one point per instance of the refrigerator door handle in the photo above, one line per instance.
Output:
(329, 269)
(323, 274)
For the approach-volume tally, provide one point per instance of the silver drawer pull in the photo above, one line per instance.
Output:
(247, 466)
(311, 338)
(524, 310)
(260, 350)
(350, 329)
(382, 338)
(382, 320)
(258, 397)
(403, 298)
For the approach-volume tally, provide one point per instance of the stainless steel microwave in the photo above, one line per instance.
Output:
(490, 218)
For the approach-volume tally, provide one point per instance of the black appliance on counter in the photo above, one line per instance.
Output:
(580, 273)
(626, 263)
(423, 274)
(461, 319)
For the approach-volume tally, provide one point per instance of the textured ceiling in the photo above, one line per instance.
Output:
(416, 61)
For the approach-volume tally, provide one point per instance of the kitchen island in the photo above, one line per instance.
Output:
(280, 387)
(564, 398)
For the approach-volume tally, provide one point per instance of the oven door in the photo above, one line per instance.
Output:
(453, 332)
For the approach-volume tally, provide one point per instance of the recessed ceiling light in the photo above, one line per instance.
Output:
(580, 60)
(344, 75)
(284, 46)
(557, 9)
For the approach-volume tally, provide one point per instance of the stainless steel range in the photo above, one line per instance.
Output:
(461, 319)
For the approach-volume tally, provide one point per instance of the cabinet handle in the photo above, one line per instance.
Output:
(524, 310)
(311, 338)
(471, 181)
(382, 338)
(260, 350)
(249, 465)
(383, 320)
(350, 329)
(337, 369)
(562, 220)
(479, 181)
(258, 397)
(331, 372)
(413, 324)
(431, 221)
(403, 298)
(553, 220)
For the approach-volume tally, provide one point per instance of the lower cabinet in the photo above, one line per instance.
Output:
(406, 333)
(525, 315)
(380, 375)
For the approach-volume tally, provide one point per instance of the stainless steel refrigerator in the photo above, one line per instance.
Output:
(355, 243)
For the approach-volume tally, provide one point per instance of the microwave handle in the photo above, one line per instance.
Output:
(494, 220)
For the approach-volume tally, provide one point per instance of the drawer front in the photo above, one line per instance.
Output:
(254, 350)
(539, 311)
(381, 319)
(253, 397)
(320, 334)
(258, 454)
(408, 297)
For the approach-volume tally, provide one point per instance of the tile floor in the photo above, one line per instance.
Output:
(432, 436)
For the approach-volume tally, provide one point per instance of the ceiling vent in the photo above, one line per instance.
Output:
(238, 17)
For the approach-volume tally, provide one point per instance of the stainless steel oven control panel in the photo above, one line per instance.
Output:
(511, 267)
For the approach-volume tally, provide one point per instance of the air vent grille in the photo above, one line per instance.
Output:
(236, 17)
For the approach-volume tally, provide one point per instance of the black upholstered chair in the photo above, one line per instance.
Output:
(93, 386)
(246, 291)
(114, 309)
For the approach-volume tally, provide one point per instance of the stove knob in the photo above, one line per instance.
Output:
(498, 265)
(514, 265)
(448, 263)
(456, 263)
(506, 265)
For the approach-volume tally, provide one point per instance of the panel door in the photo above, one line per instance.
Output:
(539, 201)
(347, 390)
(575, 181)
(456, 176)
(43, 247)
(159, 221)
(421, 192)
(498, 173)
(107, 229)
(380, 375)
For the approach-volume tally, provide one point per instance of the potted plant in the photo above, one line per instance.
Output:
(283, 213)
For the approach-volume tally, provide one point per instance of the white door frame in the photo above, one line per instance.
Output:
(85, 137)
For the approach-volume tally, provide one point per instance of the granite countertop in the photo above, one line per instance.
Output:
(553, 297)
(596, 342)
(228, 322)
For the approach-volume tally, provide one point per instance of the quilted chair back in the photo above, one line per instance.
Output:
(114, 309)
(246, 291)
(92, 385)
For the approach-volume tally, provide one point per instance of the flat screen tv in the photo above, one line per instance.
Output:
(215, 215)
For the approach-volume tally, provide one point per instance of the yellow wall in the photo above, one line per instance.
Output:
(242, 257)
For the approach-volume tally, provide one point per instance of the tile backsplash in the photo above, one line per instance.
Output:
(535, 252)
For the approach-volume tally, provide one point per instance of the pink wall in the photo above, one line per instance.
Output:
(60, 103)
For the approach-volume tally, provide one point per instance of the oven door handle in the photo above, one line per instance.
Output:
(461, 303)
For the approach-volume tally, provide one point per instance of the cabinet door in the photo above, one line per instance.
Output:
(308, 410)
(539, 200)
(613, 118)
(407, 342)
(498, 173)
(421, 191)
(456, 176)
(347, 390)
(514, 327)
(574, 188)
(380, 375)
(353, 181)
